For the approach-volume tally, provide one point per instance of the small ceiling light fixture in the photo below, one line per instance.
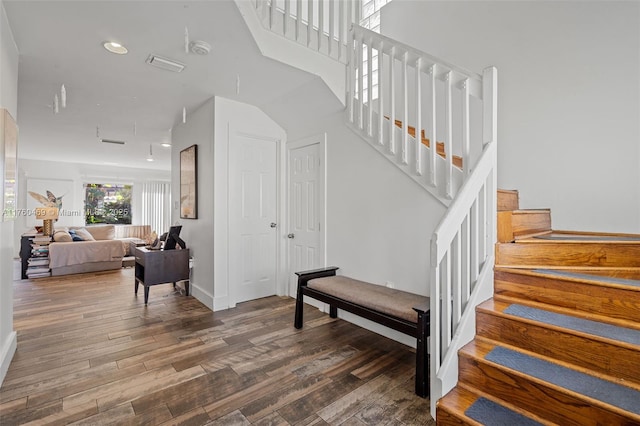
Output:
(150, 157)
(115, 47)
(184, 115)
(165, 145)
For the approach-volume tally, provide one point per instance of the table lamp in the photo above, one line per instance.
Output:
(47, 215)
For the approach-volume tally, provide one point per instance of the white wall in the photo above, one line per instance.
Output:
(207, 236)
(569, 97)
(197, 233)
(379, 221)
(8, 100)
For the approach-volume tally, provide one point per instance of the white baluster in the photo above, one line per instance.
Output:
(320, 23)
(298, 18)
(349, 5)
(341, 27)
(418, 143)
(466, 244)
(447, 332)
(405, 111)
(381, 88)
(475, 237)
(309, 21)
(456, 280)
(287, 12)
(351, 75)
(359, 53)
(272, 14)
(332, 23)
(369, 88)
(466, 144)
(392, 100)
(433, 180)
(489, 105)
(448, 134)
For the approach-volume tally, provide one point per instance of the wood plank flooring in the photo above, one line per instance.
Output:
(90, 353)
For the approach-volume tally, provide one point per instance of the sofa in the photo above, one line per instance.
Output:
(76, 250)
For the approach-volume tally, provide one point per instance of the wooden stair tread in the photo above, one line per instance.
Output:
(460, 400)
(584, 323)
(534, 373)
(610, 299)
(626, 283)
(604, 319)
(515, 225)
(454, 404)
(537, 253)
(587, 237)
(603, 354)
(508, 199)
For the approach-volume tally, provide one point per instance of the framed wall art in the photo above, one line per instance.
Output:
(189, 183)
(9, 164)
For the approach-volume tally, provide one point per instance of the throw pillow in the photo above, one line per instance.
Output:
(102, 232)
(62, 236)
(84, 234)
(75, 236)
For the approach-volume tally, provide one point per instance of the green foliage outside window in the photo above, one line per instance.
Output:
(107, 203)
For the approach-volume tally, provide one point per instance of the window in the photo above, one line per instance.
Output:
(371, 20)
(107, 203)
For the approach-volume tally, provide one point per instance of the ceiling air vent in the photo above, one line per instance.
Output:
(164, 63)
(115, 142)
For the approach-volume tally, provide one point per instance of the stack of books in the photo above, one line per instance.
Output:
(39, 260)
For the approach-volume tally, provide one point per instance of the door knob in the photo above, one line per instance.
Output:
(273, 224)
(290, 236)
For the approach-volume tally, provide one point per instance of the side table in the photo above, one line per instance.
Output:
(159, 267)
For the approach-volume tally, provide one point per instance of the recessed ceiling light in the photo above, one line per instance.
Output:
(165, 145)
(149, 159)
(115, 47)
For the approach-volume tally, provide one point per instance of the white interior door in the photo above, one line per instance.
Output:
(305, 200)
(253, 213)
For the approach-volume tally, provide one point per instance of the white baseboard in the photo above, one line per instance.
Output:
(204, 297)
(8, 350)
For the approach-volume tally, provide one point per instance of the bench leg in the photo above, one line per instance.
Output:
(297, 322)
(333, 311)
(422, 360)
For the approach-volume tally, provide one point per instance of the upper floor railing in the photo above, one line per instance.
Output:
(321, 25)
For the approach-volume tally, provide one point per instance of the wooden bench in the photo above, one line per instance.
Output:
(396, 309)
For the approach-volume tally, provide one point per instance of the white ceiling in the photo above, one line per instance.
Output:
(60, 42)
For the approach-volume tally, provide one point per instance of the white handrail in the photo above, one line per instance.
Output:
(453, 301)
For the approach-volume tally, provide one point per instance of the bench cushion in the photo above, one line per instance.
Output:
(390, 301)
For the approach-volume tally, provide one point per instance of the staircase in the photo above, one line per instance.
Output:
(433, 120)
(559, 342)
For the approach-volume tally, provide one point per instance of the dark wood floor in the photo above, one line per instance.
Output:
(90, 353)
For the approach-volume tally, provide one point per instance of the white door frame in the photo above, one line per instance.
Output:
(281, 274)
(320, 139)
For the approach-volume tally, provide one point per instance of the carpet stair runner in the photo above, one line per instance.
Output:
(559, 343)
